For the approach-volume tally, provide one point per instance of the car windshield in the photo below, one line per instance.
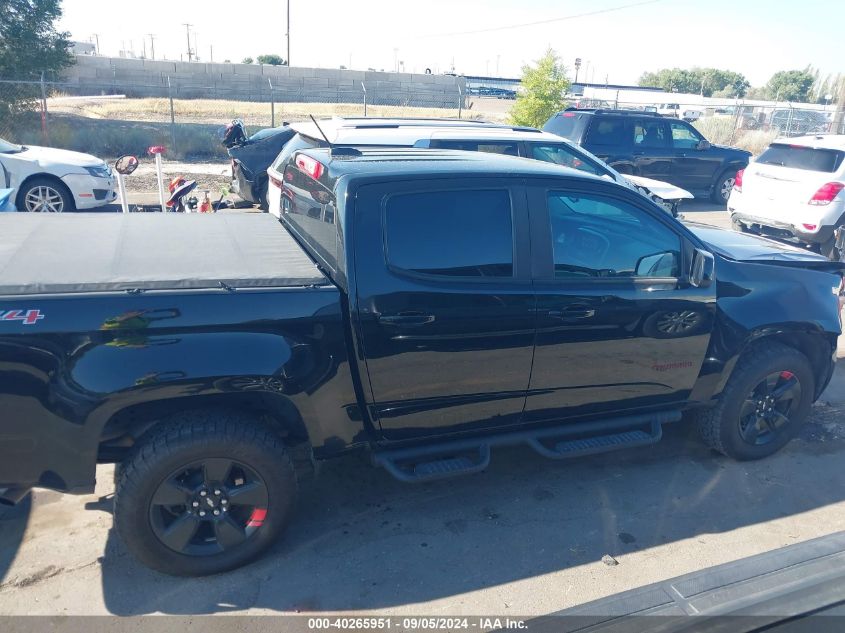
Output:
(9, 148)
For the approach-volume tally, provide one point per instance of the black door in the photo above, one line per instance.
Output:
(445, 304)
(618, 329)
(692, 168)
(652, 151)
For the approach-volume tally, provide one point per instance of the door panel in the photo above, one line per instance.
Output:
(617, 329)
(692, 168)
(652, 152)
(447, 328)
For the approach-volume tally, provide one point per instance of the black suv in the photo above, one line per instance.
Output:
(649, 145)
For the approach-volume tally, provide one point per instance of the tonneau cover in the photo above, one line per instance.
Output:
(43, 253)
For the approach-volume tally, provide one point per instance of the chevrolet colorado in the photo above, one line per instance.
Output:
(424, 305)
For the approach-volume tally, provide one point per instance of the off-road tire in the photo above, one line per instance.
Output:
(186, 438)
(719, 426)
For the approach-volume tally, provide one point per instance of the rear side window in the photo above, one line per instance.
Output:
(451, 233)
(799, 157)
(561, 154)
(606, 131)
(566, 124)
(490, 147)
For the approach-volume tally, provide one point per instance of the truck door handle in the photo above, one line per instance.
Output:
(638, 153)
(407, 319)
(572, 313)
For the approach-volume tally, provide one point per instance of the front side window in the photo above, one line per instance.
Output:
(563, 155)
(684, 137)
(451, 233)
(602, 237)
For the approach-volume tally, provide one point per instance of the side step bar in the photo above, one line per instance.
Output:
(417, 464)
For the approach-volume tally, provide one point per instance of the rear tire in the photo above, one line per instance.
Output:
(829, 250)
(204, 492)
(261, 188)
(722, 189)
(727, 427)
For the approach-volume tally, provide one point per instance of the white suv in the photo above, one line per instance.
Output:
(794, 191)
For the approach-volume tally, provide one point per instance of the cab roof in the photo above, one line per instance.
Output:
(410, 161)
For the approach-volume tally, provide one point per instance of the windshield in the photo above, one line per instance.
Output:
(9, 148)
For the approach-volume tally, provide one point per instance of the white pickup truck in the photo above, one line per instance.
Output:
(679, 112)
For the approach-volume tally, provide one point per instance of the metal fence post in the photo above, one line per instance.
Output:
(789, 121)
(172, 115)
(45, 131)
(364, 88)
(460, 101)
(272, 104)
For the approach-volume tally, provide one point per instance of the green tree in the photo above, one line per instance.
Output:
(790, 85)
(703, 81)
(247, 60)
(544, 86)
(29, 41)
(271, 60)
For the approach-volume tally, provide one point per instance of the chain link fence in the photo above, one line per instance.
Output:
(109, 121)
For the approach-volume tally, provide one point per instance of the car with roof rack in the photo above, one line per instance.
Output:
(424, 305)
(466, 135)
(650, 145)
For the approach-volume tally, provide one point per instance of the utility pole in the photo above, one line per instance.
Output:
(211, 53)
(577, 68)
(152, 45)
(188, 34)
(396, 60)
(96, 37)
(288, 34)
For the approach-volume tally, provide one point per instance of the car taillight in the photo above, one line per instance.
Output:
(826, 193)
(738, 180)
(809, 227)
(275, 182)
(310, 166)
(568, 115)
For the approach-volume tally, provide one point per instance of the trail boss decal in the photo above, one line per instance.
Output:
(28, 317)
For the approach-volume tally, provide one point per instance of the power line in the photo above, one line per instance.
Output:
(549, 21)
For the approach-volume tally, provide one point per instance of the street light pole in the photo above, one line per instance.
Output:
(188, 34)
(287, 35)
(152, 45)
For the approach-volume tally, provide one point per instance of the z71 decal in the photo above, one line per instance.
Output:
(27, 317)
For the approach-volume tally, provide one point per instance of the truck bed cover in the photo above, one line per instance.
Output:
(104, 252)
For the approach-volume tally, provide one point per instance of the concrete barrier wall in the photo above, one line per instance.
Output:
(252, 82)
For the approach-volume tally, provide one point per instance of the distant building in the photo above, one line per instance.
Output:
(83, 48)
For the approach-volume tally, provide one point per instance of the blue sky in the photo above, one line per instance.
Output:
(754, 37)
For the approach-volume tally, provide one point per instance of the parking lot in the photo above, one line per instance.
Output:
(526, 537)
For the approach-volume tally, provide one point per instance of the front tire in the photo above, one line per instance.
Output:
(204, 493)
(763, 405)
(724, 185)
(45, 195)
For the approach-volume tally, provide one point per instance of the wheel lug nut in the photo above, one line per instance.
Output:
(202, 513)
(203, 493)
(196, 504)
(217, 492)
(223, 502)
(217, 513)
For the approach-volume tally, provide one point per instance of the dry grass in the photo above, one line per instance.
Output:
(721, 130)
(220, 112)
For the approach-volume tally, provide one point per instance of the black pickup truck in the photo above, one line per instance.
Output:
(423, 305)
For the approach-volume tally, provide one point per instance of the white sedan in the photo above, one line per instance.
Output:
(50, 180)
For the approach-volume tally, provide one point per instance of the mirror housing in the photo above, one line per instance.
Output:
(703, 144)
(703, 269)
(126, 165)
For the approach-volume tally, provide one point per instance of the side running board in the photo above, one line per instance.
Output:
(417, 464)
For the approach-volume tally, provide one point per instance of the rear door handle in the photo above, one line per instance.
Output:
(406, 319)
(573, 313)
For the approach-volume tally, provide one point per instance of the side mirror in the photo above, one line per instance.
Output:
(703, 268)
(703, 144)
(126, 165)
(657, 265)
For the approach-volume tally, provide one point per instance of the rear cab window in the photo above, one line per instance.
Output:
(562, 154)
(803, 157)
(488, 146)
